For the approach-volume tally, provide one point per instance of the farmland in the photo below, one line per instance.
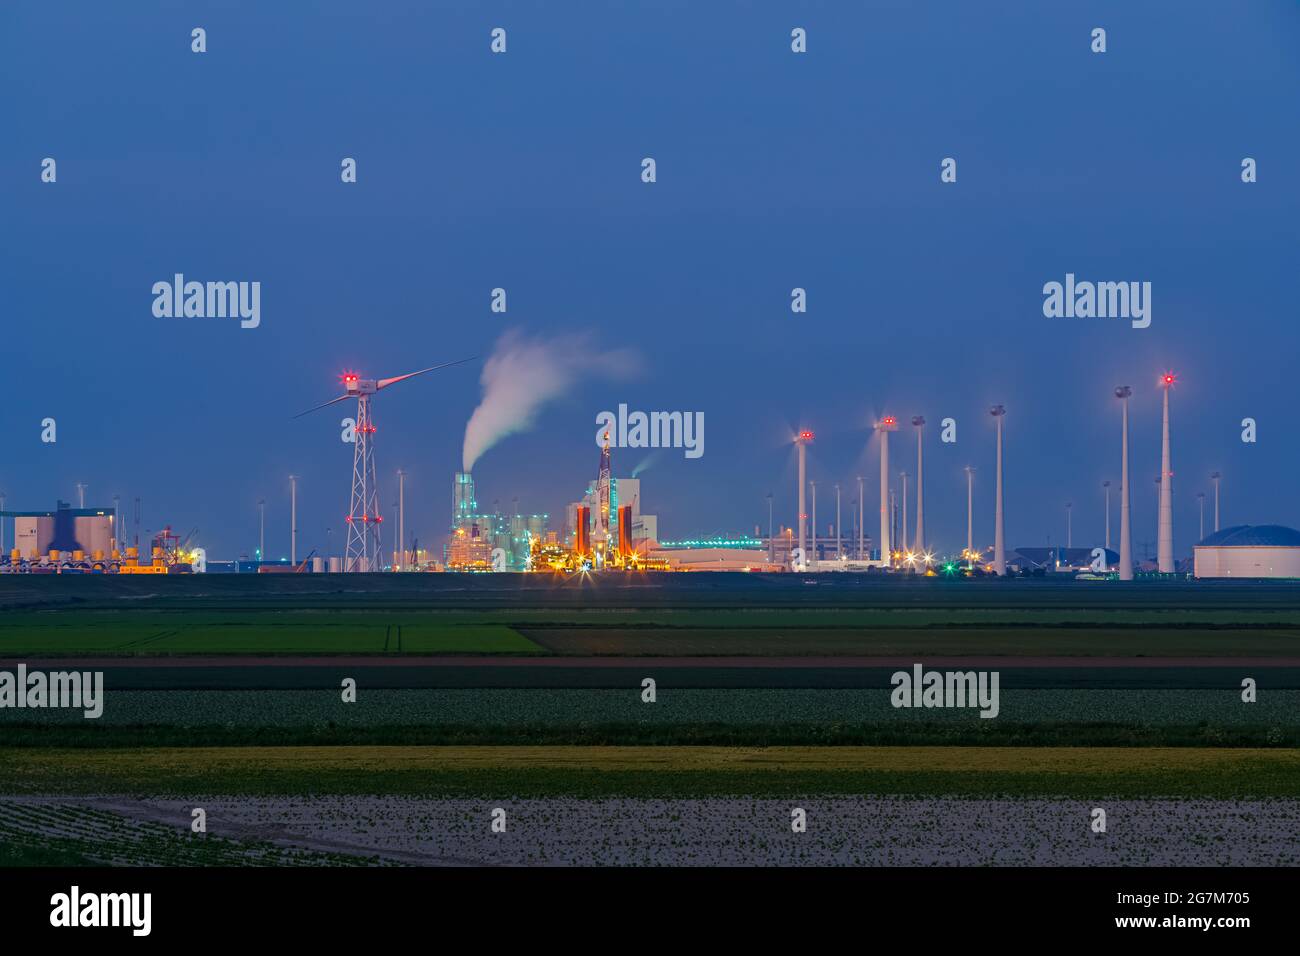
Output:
(485, 690)
(659, 771)
(815, 631)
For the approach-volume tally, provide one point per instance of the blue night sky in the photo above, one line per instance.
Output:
(775, 170)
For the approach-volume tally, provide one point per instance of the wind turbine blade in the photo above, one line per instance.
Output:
(385, 382)
(322, 405)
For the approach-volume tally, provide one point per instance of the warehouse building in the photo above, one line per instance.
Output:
(1246, 551)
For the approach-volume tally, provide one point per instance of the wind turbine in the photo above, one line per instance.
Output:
(363, 518)
(919, 422)
(1123, 393)
(999, 538)
(1165, 536)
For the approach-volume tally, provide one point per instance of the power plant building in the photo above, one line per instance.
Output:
(1246, 551)
(623, 492)
(513, 534)
(469, 549)
(66, 530)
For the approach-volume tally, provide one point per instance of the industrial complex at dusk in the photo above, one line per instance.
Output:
(607, 529)
(357, 515)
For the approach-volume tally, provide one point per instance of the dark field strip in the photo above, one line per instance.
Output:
(815, 734)
(674, 705)
(1097, 640)
(717, 590)
(137, 623)
(398, 674)
(778, 642)
(1088, 773)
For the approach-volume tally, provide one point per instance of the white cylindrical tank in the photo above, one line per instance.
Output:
(1261, 551)
(336, 565)
(317, 565)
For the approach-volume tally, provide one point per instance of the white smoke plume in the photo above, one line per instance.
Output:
(524, 374)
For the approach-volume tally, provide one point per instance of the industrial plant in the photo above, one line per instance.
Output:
(606, 529)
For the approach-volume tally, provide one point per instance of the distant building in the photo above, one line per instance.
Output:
(469, 549)
(622, 491)
(65, 529)
(712, 559)
(1065, 560)
(1246, 551)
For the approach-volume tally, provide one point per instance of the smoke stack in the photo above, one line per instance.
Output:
(1165, 549)
(625, 531)
(1125, 528)
(582, 533)
(462, 499)
(999, 539)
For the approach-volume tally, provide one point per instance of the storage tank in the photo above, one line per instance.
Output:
(1246, 551)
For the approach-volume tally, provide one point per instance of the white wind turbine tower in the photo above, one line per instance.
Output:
(919, 422)
(999, 539)
(1165, 552)
(970, 516)
(802, 440)
(364, 517)
(1125, 527)
(903, 524)
(885, 426)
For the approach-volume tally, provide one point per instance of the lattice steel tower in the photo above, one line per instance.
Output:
(364, 519)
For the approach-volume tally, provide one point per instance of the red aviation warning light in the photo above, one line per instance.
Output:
(1168, 379)
(805, 436)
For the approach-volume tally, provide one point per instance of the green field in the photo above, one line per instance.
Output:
(813, 631)
(148, 633)
(1070, 728)
(543, 707)
(658, 771)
